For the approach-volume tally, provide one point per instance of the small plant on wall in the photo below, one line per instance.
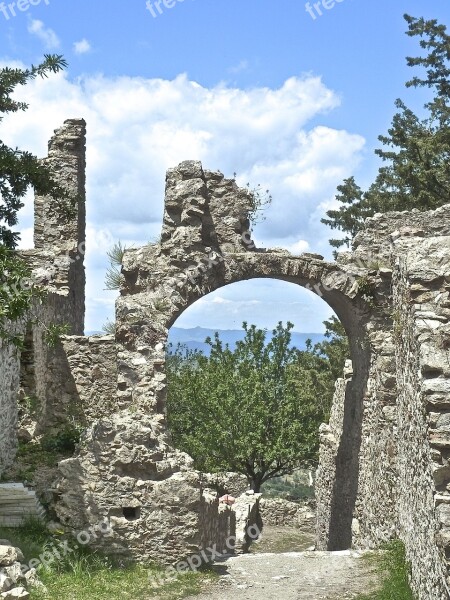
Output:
(366, 290)
(114, 278)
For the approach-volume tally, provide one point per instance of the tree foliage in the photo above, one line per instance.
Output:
(19, 170)
(416, 151)
(256, 409)
(335, 347)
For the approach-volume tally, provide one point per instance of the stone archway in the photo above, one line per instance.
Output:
(206, 244)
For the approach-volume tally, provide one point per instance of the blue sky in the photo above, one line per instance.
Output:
(256, 87)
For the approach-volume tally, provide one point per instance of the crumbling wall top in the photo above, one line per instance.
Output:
(204, 209)
(55, 228)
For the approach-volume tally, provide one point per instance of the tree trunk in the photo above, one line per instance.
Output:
(256, 483)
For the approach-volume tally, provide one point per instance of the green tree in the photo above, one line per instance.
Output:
(335, 348)
(416, 151)
(255, 410)
(319, 366)
(19, 170)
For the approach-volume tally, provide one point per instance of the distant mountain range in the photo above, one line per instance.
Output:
(194, 339)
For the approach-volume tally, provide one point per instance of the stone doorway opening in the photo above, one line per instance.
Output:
(336, 517)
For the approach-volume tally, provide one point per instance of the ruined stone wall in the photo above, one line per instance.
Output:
(277, 511)
(148, 492)
(55, 393)
(57, 259)
(403, 463)
(384, 461)
(422, 333)
(92, 386)
(9, 385)
(56, 263)
(142, 473)
(205, 244)
(397, 487)
(330, 438)
(217, 521)
(77, 378)
(248, 525)
(375, 515)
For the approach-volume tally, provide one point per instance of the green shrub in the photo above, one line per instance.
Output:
(63, 441)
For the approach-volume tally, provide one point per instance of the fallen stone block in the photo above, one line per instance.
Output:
(13, 573)
(6, 583)
(8, 556)
(32, 579)
(19, 592)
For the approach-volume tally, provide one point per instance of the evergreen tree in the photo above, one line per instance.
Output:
(416, 152)
(19, 170)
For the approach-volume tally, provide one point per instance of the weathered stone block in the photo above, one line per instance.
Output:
(19, 593)
(8, 555)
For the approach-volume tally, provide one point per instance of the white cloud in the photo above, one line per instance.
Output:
(137, 128)
(26, 238)
(82, 46)
(45, 34)
(220, 300)
(237, 305)
(298, 247)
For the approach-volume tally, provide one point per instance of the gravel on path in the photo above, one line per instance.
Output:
(291, 576)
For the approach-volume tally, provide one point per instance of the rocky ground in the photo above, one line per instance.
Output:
(291, 576)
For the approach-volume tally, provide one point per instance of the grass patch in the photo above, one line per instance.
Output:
(393, 570)
(88, 575)
(104, 583)
(31, 537)
(30, 458)
(38, 456)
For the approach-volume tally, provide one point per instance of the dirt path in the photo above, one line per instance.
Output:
(291, 576)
